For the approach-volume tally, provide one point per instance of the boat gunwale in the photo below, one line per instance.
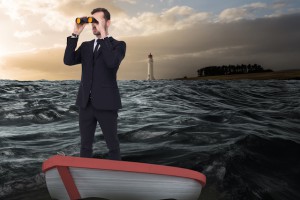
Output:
(104, 164)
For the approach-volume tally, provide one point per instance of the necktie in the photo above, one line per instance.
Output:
(96, 48)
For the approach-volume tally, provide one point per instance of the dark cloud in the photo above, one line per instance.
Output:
(273, 42)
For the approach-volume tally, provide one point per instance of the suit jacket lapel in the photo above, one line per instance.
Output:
(91, 48)
(111, 39)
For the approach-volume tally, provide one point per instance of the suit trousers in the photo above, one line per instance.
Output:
(107, 119)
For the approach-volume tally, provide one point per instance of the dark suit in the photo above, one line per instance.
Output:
(98, 96)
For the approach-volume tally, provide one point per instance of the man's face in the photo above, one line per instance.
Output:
(101, 15)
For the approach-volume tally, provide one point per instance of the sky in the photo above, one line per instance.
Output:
(182, 35)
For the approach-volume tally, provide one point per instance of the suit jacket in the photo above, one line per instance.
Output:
(98, 73)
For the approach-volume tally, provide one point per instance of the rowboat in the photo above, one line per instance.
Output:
(69, 177)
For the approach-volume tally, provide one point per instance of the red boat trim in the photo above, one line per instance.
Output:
(103, 164)
(69, 183)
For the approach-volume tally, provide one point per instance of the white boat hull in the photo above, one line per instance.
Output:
(120, 184)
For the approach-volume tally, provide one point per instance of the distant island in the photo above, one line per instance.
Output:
(231, 69)
(238, 72)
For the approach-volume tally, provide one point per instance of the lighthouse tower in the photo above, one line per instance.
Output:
(150, 67)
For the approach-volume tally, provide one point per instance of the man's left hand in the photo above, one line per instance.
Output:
(100, 26)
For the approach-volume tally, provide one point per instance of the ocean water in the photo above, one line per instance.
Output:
(243, 135)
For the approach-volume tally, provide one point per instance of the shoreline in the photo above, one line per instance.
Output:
(277, 75)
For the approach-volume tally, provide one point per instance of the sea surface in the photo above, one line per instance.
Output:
(243, 135)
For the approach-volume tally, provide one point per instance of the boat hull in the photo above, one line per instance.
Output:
(118, 185)
(79, 178)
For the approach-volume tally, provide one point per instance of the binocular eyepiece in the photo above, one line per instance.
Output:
(83, 20)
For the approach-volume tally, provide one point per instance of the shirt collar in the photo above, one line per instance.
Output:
(95, 41)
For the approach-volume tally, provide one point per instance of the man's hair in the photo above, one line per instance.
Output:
(104, 10)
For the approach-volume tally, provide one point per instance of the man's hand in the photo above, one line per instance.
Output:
(78, 28)
(101, 26)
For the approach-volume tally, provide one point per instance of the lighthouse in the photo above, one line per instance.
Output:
(150, 67)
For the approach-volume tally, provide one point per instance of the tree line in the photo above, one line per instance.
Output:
(231, 69)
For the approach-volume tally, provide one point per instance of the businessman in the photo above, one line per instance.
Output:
(98, 97)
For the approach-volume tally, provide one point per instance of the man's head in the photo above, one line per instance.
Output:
(103, 14)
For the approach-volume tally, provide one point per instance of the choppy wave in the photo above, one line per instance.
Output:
(243, 135)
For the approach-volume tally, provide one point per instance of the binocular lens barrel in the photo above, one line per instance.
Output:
(90, 20)
(83, 20)
(79, 20)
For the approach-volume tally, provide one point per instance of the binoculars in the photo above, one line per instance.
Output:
(84, 20)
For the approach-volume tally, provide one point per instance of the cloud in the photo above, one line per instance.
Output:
(271, 42)
(147, 23)
(39, 64)
(294, 10)
(57, 14)
(31, 12)
(181, 39)
(26, 34)
(255, 5)
(79, 7)
(167, 1)
(279, 5)
(128, 1)
(243, 12)
(20, 11)
(233, 14)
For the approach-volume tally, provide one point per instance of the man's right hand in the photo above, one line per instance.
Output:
(78, 28)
